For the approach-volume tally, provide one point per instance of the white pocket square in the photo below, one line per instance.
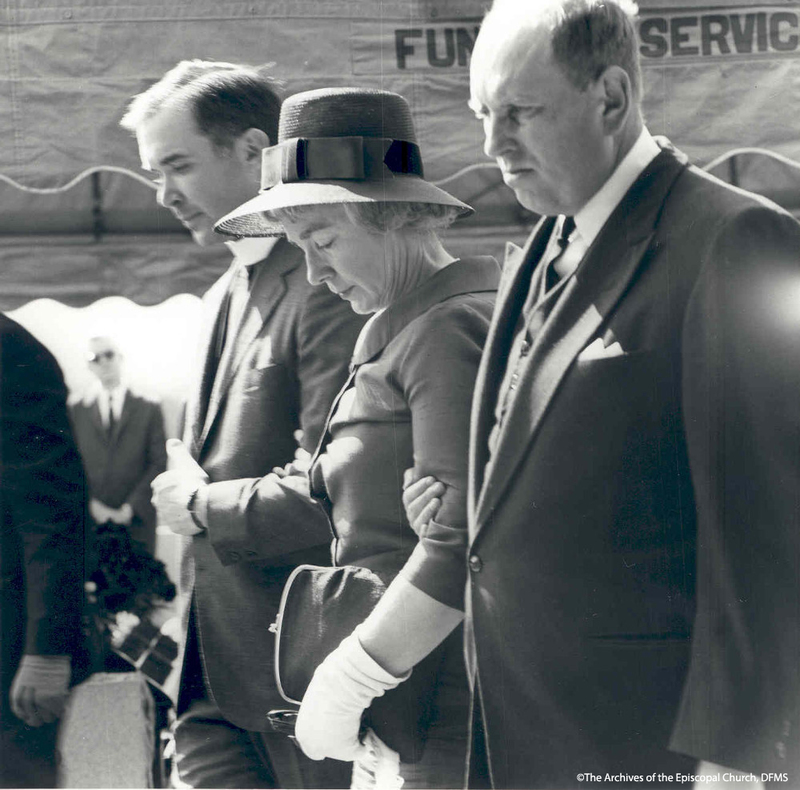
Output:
(596, 350)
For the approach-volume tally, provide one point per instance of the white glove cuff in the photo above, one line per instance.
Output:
(369, 671)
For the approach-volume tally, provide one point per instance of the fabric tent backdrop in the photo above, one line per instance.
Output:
(716, 78)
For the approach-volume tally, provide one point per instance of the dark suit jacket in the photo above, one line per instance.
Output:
(42, 500)
(288, 362)
(583, 523)
(119, 468)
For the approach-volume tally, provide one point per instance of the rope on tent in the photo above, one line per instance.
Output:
(90, 171)
(441, 182)
(765, 152)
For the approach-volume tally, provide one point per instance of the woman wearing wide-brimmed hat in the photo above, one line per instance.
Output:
(345, 183)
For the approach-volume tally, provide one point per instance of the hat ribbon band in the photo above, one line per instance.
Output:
(338, 158)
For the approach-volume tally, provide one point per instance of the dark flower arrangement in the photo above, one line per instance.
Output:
(127, 594)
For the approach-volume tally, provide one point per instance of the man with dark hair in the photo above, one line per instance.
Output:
(42, 505)
(275, 351)
(637, 403)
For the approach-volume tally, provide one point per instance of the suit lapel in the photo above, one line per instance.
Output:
(207, 359)
(583, 306)
(93, 409)
(490, 372)
(266, 292)
(128, 406)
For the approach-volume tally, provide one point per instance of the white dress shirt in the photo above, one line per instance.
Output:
(590, 219)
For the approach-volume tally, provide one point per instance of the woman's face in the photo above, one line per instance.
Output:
(352, 261)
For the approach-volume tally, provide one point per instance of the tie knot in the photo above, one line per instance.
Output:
(567, 226)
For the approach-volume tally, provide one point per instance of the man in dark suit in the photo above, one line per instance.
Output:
(275, 351)
(42, 501)
(121, 439)
(639, 387)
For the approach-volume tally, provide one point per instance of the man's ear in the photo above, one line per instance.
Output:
(617, 98)
(250, 144)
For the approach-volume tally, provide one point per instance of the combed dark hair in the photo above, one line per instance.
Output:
(587, 36)
(227, 99)
(383, 216)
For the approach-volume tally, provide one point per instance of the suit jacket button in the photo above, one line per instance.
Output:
(475, 563)
(234, 556)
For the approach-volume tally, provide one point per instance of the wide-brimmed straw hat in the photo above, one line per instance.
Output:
(338, 145)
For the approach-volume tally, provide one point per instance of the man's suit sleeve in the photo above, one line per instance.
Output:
(326, 337)
(43, 492)
(156, 463)
(269, 518)
(741, 383)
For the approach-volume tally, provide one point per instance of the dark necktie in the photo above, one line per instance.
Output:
(551, 275)
(111, 421)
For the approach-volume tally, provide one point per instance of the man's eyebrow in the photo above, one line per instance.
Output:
(172, 159)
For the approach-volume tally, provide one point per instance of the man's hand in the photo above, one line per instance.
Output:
(40, 689)
(343, 686)
(712, 778)
(421, 498)
(123, 514)
(173, 490)
(99, 512)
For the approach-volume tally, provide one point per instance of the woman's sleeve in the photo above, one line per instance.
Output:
(437, 375)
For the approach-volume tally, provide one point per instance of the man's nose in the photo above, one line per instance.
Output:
(167, 194)
(497, 137)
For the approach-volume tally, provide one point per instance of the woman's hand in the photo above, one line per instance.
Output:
(343, 686)
(421, 498)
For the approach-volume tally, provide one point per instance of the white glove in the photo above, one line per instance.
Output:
(40, 688)
(343, 686)
(174, 489)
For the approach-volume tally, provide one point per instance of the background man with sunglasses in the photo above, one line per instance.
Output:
(121, 439)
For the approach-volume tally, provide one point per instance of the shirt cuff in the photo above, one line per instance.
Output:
(198, 507)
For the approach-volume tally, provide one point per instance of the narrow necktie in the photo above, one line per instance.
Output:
(111, 420)
(551, 275)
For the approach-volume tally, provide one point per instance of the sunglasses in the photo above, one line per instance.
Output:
(100, 356)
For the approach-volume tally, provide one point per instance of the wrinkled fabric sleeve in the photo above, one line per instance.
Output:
(269, 518)
(741, 383)
(437, 375)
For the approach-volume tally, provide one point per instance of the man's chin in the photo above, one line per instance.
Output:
(206, 237)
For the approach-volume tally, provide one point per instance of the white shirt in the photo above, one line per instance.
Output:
(111, 399)
(590, 219)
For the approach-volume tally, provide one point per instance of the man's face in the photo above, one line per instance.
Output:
(545, 134)
(105, 362)
(196, 181)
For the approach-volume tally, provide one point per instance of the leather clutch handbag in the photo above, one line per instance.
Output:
(319, 607)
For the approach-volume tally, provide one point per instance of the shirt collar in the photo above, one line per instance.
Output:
(468, 275)
(251, 250)
(590, 219)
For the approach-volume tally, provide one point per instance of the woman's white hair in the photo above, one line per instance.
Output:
(382, 216)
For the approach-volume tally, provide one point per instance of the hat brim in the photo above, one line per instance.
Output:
(249, 219)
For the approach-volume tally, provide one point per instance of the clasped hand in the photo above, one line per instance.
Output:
(174, 489)
(40, 688)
